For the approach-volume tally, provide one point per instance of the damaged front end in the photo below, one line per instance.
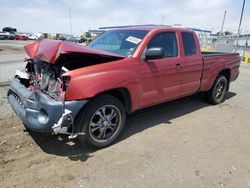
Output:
(38, 111)
(43, 77)
(42, 113)
(45, 87)
(37, 93)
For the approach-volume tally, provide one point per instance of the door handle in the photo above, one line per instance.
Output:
(178, 66)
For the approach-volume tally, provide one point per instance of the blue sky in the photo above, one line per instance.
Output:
(53, 16)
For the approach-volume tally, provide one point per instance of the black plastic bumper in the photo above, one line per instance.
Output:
(36, 110)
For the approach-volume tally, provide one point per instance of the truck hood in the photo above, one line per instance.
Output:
(50, 50)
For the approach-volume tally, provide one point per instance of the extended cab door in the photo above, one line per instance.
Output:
(160, 78)
(192, 63)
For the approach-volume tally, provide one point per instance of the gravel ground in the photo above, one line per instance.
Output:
(11, 58)
(184, 143)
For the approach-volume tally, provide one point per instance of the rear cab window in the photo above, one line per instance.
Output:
(188, 43)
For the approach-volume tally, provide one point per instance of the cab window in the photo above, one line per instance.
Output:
(188, 43)
(167, 41)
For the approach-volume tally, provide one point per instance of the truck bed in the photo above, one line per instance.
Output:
(215, 62)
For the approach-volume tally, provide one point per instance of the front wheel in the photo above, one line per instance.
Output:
(102, 121)
(217, 93)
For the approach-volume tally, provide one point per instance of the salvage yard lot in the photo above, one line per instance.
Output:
(184, 143)
(11, 58)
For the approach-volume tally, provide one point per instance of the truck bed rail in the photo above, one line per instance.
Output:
(217, 53)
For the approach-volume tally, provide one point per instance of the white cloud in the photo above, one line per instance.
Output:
(52, 16)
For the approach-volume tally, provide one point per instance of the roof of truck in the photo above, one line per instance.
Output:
(151, 28)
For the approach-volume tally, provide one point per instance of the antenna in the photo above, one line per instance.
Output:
(70, 22)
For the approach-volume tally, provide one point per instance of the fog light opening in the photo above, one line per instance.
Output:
(43, 117)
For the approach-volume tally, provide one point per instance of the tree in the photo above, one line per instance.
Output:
(228, 33)
(224, 33)
(9, 29)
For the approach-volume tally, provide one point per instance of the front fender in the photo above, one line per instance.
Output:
(90, 85)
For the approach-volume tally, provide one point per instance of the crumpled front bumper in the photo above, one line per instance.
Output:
(36, 110)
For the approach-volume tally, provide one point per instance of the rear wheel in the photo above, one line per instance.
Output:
(102, 121)
(217, 93)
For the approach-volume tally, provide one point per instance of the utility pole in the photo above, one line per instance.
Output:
(223, 22)
(70, 22)
(162, 20)
(241, 16)
(222, 27)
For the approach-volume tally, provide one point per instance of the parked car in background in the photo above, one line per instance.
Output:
(73, 39)
(12, 36)
(21, 37)
(2, 37)
(32, 37)
(82, 40)
(87, 91)
(61, 37)
(6, 36)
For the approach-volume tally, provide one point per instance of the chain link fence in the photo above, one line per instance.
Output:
(227, 43)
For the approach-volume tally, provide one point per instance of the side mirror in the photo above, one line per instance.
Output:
(154, 53)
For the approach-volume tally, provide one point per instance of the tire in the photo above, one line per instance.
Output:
(217, 93)
(102, 121)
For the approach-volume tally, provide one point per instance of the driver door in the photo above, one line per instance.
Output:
(161, 79)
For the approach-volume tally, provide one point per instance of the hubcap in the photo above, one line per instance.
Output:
(219, 90)
(104, 123)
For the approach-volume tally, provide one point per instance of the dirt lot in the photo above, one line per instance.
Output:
(184, 143)
(11, 58)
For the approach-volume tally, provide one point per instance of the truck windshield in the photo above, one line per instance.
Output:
(123, 42)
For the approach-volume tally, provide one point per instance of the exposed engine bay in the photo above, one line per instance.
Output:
(50, 59)
(46, 77)
(42, 76)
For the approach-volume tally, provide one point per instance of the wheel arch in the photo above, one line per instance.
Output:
(227, 74)
(122, 94)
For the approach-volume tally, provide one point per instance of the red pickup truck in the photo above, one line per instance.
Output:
(87, 91)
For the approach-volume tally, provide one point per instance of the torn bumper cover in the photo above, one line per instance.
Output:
(36, 110)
